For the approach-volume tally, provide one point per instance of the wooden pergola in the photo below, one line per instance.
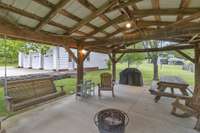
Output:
(100, 26)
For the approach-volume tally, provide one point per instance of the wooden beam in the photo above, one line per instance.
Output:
(117, 20)
(45, 3)
(12, 31)
(99, 11)
(153, 12)
(184, 4)
(156, 34)
(156, 5)
(19, 11)
(68, 14)
(197, 68)
(52, 14)
(91, 7)
(71, 53)
(122, 5)
(29, 15)
(113, 60)
(186, 56)
(193, 38)
(119, 58)
(86, 55)
(167, 48)
(186, 20)
(80, 68)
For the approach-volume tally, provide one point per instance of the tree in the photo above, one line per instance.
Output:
(9, 49)
(134, 58)
(36, 47)
(42, 49)
(153, 56)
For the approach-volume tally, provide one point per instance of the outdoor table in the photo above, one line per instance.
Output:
(172, 82)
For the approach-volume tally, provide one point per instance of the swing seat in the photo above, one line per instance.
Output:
(25, 93)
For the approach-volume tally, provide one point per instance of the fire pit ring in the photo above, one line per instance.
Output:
(111, 121)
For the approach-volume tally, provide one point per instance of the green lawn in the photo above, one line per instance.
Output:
(147, 71)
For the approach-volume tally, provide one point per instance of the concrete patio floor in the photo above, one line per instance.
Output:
(68, 115)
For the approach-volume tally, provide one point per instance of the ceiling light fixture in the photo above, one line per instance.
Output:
(128, 25)
(83, 51)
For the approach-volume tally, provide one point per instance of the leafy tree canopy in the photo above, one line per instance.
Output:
(134, 58)
(9, 49)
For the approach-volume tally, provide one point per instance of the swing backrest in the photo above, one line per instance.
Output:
(22, 90)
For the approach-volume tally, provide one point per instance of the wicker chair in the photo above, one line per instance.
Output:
(107, 84)
(191, 108)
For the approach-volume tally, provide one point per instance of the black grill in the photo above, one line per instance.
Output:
(131, 76)
(111, 121)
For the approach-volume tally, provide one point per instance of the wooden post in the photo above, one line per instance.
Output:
(197, 68)
(80, 60)
(197, 81)
(113, 60)
(81, 56)
(114, 70)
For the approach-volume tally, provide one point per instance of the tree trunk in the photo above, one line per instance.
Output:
(128, 63)
(155, 67)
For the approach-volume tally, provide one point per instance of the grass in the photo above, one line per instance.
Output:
(147, 71)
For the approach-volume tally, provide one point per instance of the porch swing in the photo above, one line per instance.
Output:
(22, 93)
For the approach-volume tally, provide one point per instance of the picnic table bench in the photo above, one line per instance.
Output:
(158, 88)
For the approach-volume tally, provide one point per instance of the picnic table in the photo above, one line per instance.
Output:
(172, 82)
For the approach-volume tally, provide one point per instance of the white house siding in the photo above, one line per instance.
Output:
(36, 60)
(58, 59)
(20, 59)
(48, 60)
(96, 60)
(27, 60)
(63, 59)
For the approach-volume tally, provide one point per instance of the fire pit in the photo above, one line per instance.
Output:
(111, 121)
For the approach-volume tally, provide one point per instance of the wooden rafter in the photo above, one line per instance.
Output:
(68, 14)
(185, 55)
(122, 5)
(29, 15)
(156, 5)
(173, 29)
(99, 11)
(45, 3)
(119, 58)
(52, 14)
(114, 59)
(91, 7)
(19, 11)
(12, 31)
(193, 38)
(86, 55)
(112, 22)
(184, 4)
(156, 34)
(186, 20)
(149, 12)
(167, 48)
(71, 53)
